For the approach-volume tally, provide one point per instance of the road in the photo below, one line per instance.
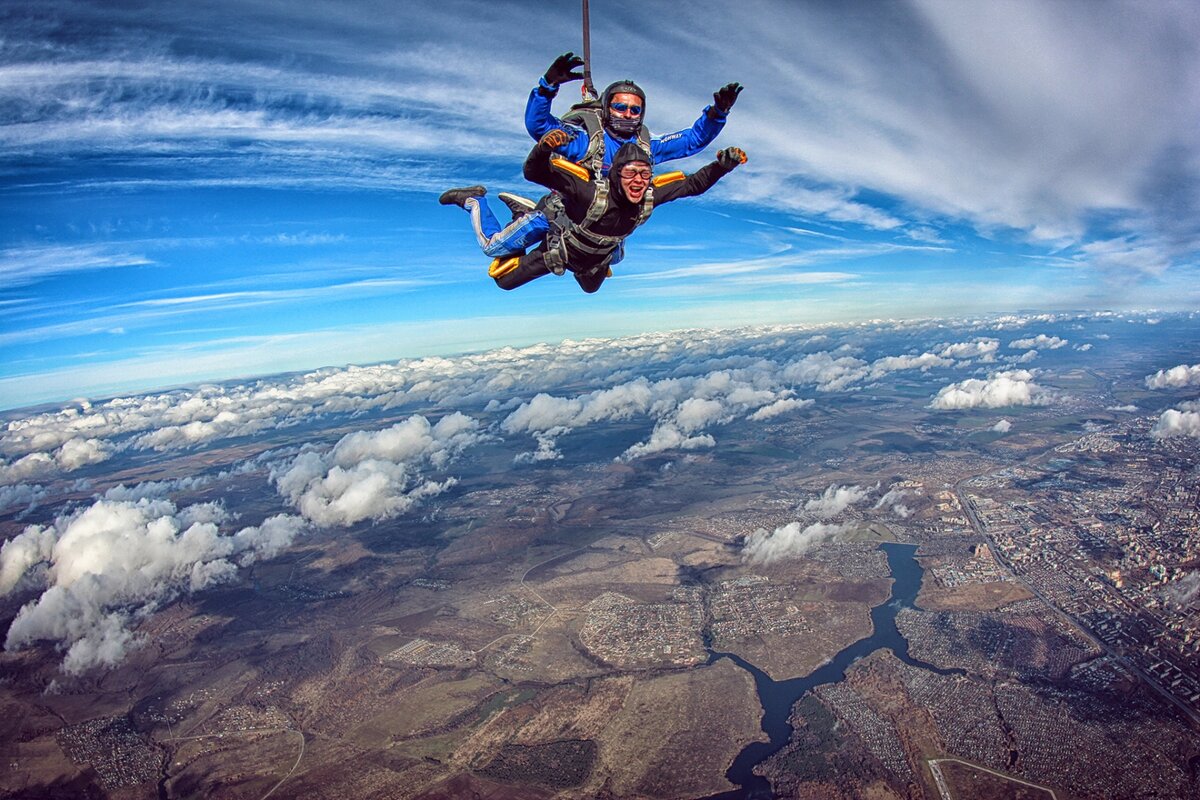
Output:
(290, 771)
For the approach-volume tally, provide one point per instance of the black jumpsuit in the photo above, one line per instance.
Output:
(574, 185)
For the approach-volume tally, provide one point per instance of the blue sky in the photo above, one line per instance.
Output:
(206, 190)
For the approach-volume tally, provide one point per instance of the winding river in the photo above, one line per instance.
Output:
(778, 697)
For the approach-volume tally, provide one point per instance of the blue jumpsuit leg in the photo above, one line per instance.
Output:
(520, 234)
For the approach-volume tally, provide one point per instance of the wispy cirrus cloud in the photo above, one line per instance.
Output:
(24, 265)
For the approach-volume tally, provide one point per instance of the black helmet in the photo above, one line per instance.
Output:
(627, 153)
(623, 127)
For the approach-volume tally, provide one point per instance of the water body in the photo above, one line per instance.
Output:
(778, 697)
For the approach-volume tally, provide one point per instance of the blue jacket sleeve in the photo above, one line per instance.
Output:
(539, 121)
(682, 144)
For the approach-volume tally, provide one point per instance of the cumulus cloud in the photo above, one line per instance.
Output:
(836, 499)
(893, 498)
(76, 453)
(753, 373)
(71, 455)
(1126, 408)
(924, 362)
(103, 568)
(763, 547)
(31, 467)
(1182, 421)
(780, 407)
(22, 494)
(1003, 426)
(376, 474)
(1011, 388)
(826, 372)
(1039, 342)
(681, 407)
(982, 349)
(667, 436)
(1175, 377)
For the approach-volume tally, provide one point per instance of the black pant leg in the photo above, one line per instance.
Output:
(591, 282)
(532, 265)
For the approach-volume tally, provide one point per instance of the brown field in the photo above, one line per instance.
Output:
(971, 597)
(967, 781)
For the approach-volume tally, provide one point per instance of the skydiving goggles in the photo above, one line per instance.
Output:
(626, 108)
(629, 173)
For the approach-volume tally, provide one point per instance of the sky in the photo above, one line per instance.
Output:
(207, 191)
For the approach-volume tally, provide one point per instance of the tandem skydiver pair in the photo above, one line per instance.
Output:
(597, 161)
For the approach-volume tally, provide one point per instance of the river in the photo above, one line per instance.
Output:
(778, 697)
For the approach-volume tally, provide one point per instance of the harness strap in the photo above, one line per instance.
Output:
(598, 207)
(566, 235)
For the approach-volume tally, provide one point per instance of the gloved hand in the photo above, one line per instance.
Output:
(726, 96)
(560, 70)
(554, 139)
(730, 157)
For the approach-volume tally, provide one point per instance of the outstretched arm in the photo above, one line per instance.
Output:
(674, 185)
(682, 144)
(539, 120)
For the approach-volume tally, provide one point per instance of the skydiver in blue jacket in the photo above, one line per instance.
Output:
(620, 115)
(595, 132)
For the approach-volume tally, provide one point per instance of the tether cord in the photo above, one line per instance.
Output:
(589, 90)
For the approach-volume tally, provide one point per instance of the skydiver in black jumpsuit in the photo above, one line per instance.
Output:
(590, 219)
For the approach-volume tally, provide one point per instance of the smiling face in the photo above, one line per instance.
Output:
(625, 105)
(634, 177)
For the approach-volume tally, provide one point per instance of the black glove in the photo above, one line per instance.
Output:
(730, 157)
(560, 70)
(554, 139)
(726, 96)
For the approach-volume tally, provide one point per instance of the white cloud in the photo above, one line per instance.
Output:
(24, 265)
(1024, 358)
(378, 474)
(680, 407)
(30, 467)
(1012, 388)
(1175, 377)
(763, 547)
(1125, 408)
(836, 499)
(1039, 342)
(73, 454)
(1184, 421)
(22, 494)
(828, 373)
(983, 349)
(893, 498)
(923, 362)
(668, 437)
(106, 566)
(76, 453)
(783, 406)
(1003, 426)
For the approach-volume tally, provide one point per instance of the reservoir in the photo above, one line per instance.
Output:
(778, 697)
